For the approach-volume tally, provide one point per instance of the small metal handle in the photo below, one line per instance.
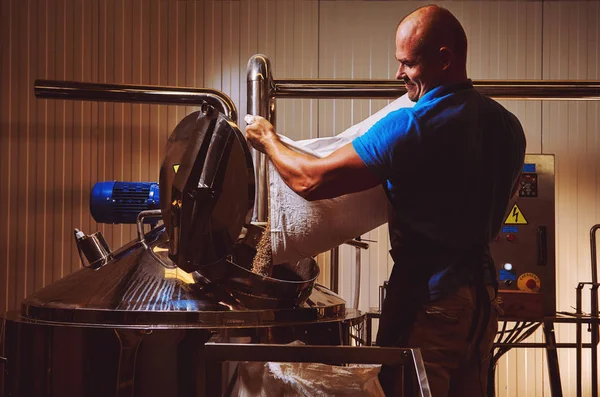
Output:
(140, 230)
(140, 223)
(357, 244)
(542, 246)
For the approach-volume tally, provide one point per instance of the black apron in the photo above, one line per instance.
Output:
(408, 290)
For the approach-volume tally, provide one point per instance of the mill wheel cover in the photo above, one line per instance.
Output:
(206, 188)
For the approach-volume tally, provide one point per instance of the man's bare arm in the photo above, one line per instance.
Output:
(340, 173)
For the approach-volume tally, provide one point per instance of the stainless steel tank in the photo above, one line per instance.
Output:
(137, 325)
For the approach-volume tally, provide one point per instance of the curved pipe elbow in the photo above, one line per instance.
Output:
(259, 68)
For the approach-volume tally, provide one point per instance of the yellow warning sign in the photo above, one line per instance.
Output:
(175, 167)
(515, 217)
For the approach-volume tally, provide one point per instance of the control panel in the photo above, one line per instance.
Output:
(524, 250)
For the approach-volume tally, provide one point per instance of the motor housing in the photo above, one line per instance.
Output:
(121, 202)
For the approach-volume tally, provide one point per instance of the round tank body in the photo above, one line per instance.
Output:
(137, 328)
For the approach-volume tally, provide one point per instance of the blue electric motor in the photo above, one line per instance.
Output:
(121, 202)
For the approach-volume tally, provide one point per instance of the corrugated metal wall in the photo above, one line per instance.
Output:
(571, 130)
(51, 152)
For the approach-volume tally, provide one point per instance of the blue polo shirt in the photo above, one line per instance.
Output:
(449, 166)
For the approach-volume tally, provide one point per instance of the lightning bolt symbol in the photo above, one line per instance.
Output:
(515, 214)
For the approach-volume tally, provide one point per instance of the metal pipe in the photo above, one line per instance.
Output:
(595, 337)
(552, 359)
(335, 269)
(422, 381)
(389, 89)
(541, 345)
(358, 245)
(261, 102)
(593, 231)
(578, 340)
(357, 278)
(75, 90)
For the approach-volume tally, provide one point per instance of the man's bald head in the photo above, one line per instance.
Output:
(433, 27)
(431, 48)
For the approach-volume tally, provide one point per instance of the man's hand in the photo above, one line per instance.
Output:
(341, 172)
(260, 133)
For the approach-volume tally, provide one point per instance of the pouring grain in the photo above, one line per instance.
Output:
(263, 261)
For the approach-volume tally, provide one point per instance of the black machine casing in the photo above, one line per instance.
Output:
(207, 189)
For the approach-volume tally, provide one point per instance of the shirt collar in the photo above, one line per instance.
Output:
(442, 90)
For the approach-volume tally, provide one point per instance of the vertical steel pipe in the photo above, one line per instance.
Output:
(261, 102)
(357, 279)
(578, 339)
(594, 296)
(334, 283)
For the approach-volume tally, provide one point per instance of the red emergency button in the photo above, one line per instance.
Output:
(529, 282)
(510, 237)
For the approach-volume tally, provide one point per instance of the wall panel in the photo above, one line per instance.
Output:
(571, 131)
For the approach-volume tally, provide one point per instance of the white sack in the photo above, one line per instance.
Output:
(300, 228)
(256, 379)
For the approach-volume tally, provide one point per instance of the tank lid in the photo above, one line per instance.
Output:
(135, 289)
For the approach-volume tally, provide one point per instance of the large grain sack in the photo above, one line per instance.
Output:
(267, 379)
(300, 228)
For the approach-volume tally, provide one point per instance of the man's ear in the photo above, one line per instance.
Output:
(446, 56)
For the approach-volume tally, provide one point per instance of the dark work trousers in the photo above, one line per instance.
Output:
(455, 334)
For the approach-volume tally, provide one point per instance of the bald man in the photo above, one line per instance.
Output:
(449, 167)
